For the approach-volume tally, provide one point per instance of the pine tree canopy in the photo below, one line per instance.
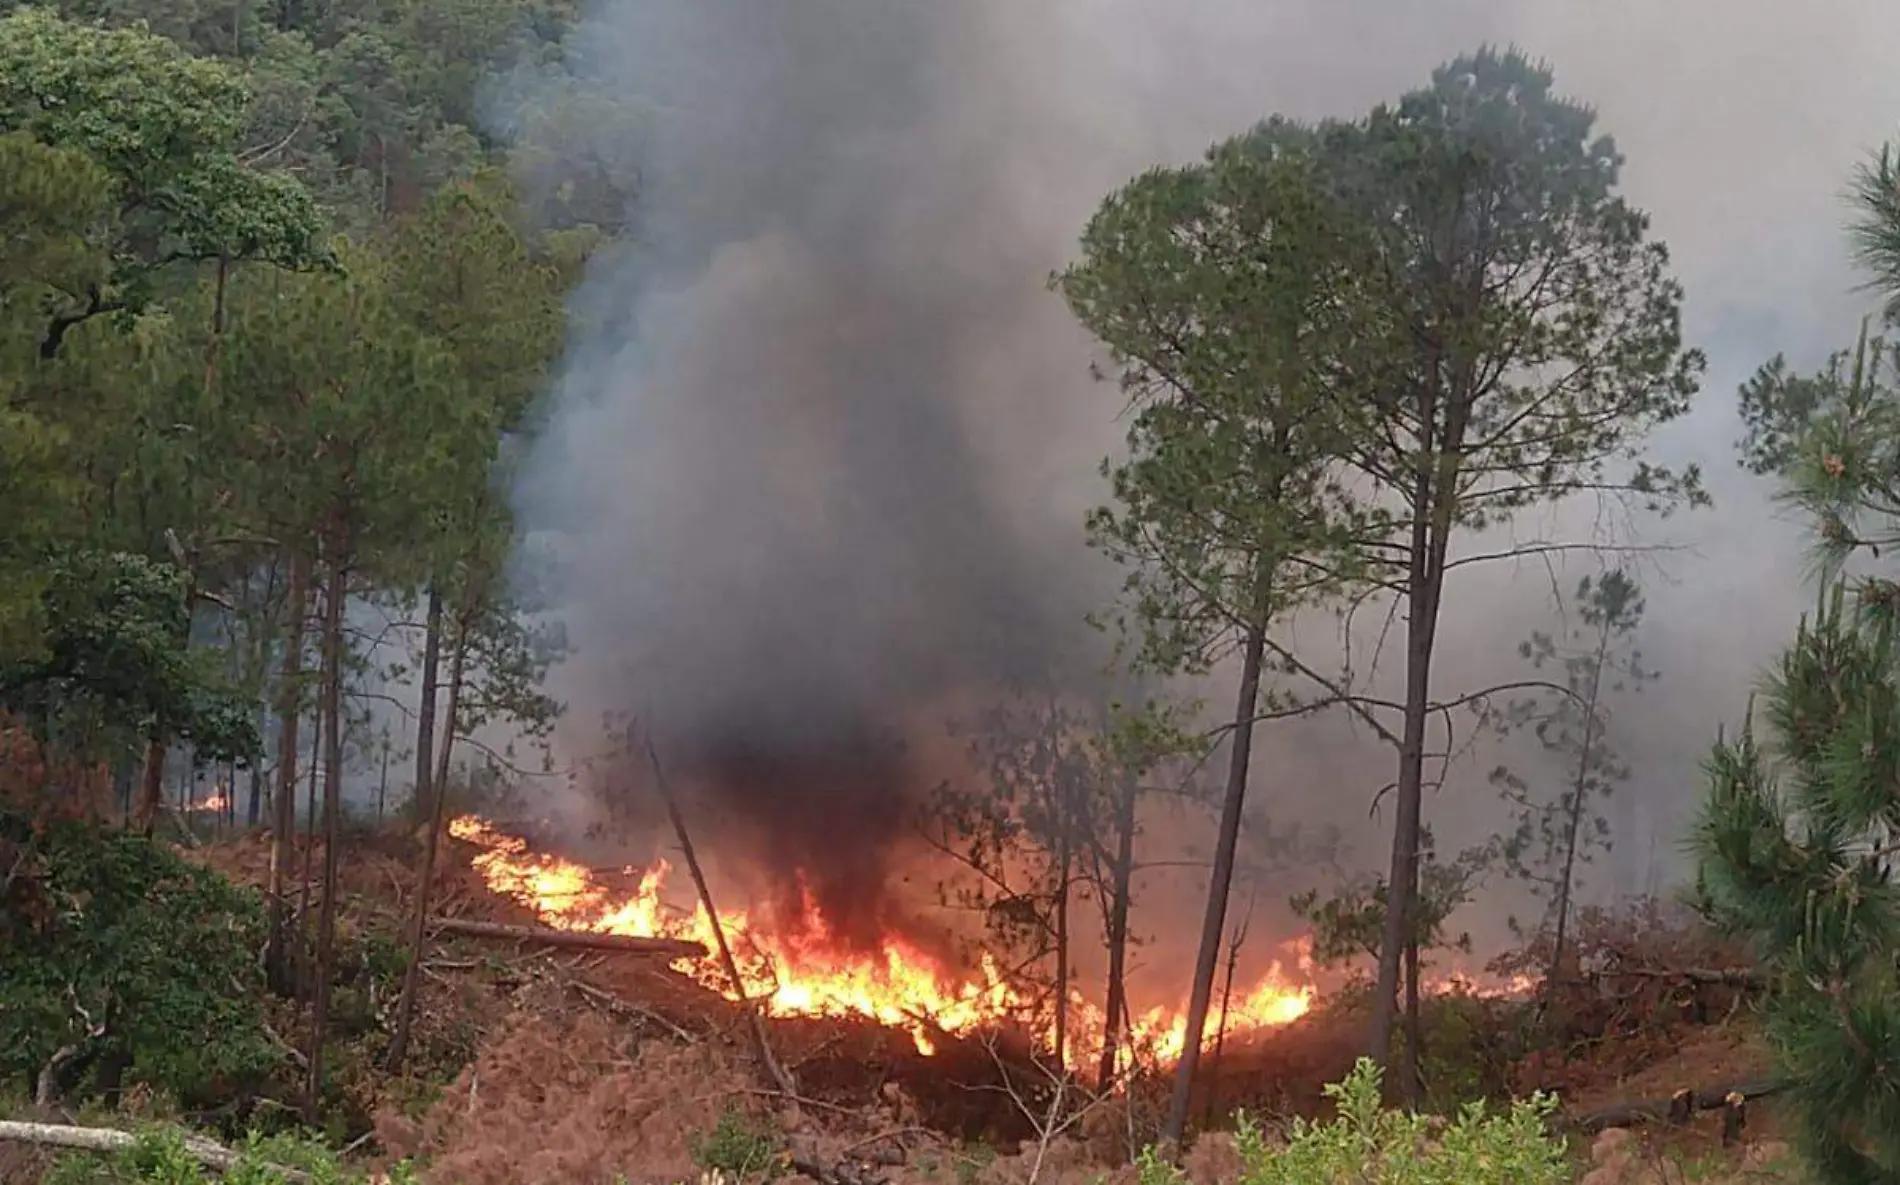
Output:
(1800, 828)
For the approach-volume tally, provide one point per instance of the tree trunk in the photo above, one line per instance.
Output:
(152, 786)
(1063, 861)
(1424, 582)
(334, 596)
(284, 799)
(1575, 822)
(412, 973)
(422, 805)
(769, 1065)
(1413, 1084)
(1220, 1029)
(310, 823)
(1123, 872)
(1215, 921)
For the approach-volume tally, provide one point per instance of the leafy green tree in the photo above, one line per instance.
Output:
(1558, 834)
(51, 201)
(125, 964)
(368, 424)
(465, 278)
(163, 125)
(1523, 340)
(112, 670)
(1219, 290)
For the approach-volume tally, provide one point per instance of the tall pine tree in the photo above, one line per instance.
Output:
(1800, 829)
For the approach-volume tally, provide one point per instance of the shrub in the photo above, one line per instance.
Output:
(162, 1157)
(126, 964)
(736, 1147)
(1369, 1145)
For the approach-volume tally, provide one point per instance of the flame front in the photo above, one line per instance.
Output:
(810, 975)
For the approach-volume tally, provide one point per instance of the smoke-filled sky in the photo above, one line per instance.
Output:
(819, 464)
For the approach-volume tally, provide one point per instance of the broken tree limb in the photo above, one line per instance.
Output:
(760, 1044)
(1738, 977)
(625, 944)
(1708, 1098)
(107, 1139)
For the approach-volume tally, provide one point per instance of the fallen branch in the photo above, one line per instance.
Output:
(1741, 977)
(106, 1139)
(617, 1004)
(842, 1173)
(626, 944)
(1677, 1107)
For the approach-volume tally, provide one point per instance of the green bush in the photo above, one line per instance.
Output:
(1369, 1145)
(735, 1147)
(162, 1157)
(126, 964)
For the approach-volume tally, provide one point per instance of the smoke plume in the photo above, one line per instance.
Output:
(818, 459)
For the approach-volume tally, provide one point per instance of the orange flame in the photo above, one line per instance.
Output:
(811, 975)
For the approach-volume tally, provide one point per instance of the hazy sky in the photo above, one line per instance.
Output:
(825, 469)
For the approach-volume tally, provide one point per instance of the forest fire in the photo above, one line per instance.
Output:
(900, 986)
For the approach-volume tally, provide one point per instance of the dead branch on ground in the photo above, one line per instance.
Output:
(1677, 1107)
(625, 944)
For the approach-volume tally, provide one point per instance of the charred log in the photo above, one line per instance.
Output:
(1678, 1107)
(624, 944)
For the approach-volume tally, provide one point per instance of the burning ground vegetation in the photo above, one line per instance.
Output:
(549, 1063)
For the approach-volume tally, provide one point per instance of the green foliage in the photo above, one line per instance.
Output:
(1217, 288)
(738, 1147)
(120, 952)
(162, 1156)
(1796, 835)
(1349, 925)
(113, 667)
(1488, 181)
(1369, 1145)
(164, 127)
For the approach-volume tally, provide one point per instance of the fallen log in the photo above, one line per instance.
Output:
(107, 1139)
(1737, 977)
(625, 944)
(1677, 1107)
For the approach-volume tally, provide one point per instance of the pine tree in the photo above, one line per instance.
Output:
(1559, 833)
(1799, 830)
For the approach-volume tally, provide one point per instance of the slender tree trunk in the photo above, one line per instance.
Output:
(310, 814)
(1123, 873)
(152, 787)
(1063, 861)
(1413, 1087)
(1220, 1029)
(1575, 821)
(421, 804)
(284, 797)
(382, 786)
(761, 1045)
(1215, 922)
(334, 597)
(438, 807)
(1425, 577)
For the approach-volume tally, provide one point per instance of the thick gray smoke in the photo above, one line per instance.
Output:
(818, 465)
(789, 533)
